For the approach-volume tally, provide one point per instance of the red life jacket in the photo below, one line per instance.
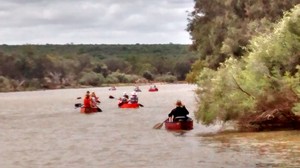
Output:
(87, 101)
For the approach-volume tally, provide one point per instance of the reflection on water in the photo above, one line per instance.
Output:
(272, 149)
(42, 129)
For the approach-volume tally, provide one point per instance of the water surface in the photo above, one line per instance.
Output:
(43, 129)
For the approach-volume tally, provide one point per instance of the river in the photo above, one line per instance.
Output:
(43, 129)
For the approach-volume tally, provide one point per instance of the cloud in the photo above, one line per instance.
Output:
(94, 21)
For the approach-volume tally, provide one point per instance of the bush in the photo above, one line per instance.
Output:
(4, 84)
(111, 79)
(122, 77)
(166, 78)
(239, 87)
(148, 75)
(32, 84)
(91, 78)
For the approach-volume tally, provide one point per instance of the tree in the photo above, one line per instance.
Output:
(196, 68)
(115, 64)
(55, 66)
(264, 78)
(148, 75)
(222, 28)
(181, 69)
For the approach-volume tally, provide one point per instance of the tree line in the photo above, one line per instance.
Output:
(248, 57)
(31, 67)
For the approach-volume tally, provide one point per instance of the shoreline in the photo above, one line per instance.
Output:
(103, 85)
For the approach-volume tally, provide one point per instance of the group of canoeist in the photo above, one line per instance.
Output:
(91, 100)
(153, 88)
(178, 114)
(125, 99)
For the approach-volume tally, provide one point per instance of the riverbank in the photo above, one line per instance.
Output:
(54, 87)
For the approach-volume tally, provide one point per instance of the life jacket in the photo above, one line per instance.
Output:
(134, 99)
(94, 101)
(87, 102)
(124, 99)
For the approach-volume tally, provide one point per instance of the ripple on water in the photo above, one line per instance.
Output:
(267, 149)
(42, 129)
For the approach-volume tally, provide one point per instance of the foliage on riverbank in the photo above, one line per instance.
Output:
(257, 82)
(31, 67)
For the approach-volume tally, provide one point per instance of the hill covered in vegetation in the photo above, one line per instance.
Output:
(30, 67)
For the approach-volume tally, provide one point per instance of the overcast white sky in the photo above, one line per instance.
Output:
(94, 21)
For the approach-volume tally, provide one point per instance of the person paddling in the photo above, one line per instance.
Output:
(94, 101)
(137, 89)
(87, 100)
(124, 99)
(179, 113)
(133, 98)
(94, 98)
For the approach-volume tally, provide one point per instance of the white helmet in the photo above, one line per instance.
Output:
(124, 93)
(133, 93)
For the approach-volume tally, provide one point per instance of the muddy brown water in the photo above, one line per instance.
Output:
(43, 129)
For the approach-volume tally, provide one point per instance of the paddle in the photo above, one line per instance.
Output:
(159, 125)
(99, 109)
(112, 97)
(77, 105)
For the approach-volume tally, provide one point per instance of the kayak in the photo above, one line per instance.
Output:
(129, 105)
(179, 125)
(153, 90)
(88, 110)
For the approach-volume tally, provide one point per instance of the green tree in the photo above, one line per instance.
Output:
(222, 28)
(4, 84)
(55, 66)
(265, 77)
(196, 68)
(115, 64)
(148, 75)
(181, 69)
(91, 78)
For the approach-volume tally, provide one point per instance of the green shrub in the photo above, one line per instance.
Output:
(239, 87)
(122, 77)
(166, 78)
(4, 84)
(91, 78)
(148, 75)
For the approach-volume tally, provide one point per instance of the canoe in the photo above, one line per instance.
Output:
(88, 110)
(112, 89)
(153, 90)
(137, 90)
(129, 105)
(179, 125)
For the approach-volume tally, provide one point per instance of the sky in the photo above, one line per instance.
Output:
(94, 21)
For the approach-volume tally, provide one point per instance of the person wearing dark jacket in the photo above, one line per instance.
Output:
(178, 113)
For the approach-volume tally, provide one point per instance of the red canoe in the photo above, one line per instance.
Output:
(129, 105)
(88, 110)
(179, 125)
(153, 90)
